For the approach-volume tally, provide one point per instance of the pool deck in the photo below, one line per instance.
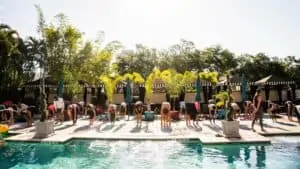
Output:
(127, 130)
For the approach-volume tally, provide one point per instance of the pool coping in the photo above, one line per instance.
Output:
(155, 138)
(209, 137)
(280, 134)
(142, 138)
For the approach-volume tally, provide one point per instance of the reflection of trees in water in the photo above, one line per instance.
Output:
(260, 156)
(247, 153)
(232, 152)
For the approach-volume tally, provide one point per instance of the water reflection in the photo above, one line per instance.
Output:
(238, 156)
(16, 153)
(231, 154)
(147, 154)
(260, 156)
(247, 152)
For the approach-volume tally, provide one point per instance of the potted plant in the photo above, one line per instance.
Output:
(39, 49)
(229, 125)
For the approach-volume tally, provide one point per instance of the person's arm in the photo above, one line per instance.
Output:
(254, 101)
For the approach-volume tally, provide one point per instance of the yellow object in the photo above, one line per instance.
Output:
(3, 128)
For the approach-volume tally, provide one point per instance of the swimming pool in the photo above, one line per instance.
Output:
(284, 153)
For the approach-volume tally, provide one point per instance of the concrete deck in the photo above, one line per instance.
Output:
(127, 130)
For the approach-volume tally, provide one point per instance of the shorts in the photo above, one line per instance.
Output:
(91, 114)
(112, 117)
(193, 116)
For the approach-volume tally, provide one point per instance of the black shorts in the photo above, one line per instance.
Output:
(58, 111)
(91, 114)
(112, 116)
(193, 115)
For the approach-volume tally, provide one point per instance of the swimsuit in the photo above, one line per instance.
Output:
(112, 116)
(91, 113)
(192, 111)
(165, 111)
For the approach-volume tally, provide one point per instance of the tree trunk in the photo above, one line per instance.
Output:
(43, 105)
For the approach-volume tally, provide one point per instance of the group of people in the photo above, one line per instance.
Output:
(59, 107)
(253, 110)
(9, 111)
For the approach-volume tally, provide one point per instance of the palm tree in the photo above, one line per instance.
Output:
(8, 50)
(15, 63)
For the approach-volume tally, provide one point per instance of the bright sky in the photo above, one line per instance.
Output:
(243, 26)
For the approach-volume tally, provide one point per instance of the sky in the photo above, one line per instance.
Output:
(242, 26)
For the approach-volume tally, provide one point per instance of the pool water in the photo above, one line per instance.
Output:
(283, 153)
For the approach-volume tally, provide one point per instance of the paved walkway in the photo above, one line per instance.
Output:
(127, 130)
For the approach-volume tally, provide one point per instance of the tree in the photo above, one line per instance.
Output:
(15, 64)
(219, 59)
(262, 65)
(111, 81)
(143, 60)
(98, 61)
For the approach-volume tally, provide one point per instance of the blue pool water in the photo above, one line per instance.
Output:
(282, 154)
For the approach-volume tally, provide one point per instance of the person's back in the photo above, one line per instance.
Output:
(22, 107)
(59, 103)
(235, 106)
(258, 99)
(165, 110)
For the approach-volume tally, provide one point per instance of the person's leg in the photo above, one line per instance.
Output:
(261, 121)
(247, 113)
(186, 119)
(115, 117)
(73, 115)
(90, 117)
(69, 114)
(94, 118)
(138, 118)
(210, 116)
(234, 114)
(169, 120)
(30, 117)
(164, 120)
(297, 113)
(271, 112)
(289, 112)
(214, 116)
(11, 118)
(161, 119)
(76, 115)
(253, 121)
(56, 115)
